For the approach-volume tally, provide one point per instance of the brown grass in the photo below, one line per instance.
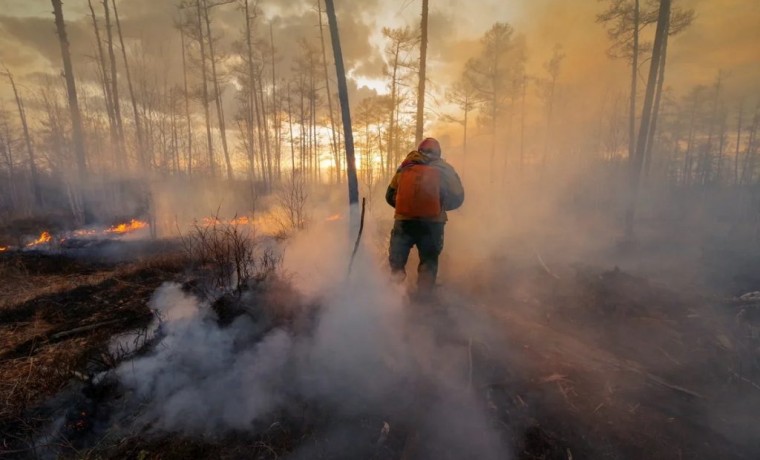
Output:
(43, 298)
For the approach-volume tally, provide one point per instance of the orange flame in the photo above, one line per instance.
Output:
(333, 218)
(209, 221)
(44, 238)
(127, 227)
(242, 220)
(3, 248)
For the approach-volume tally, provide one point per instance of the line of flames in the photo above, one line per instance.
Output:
(209, 221)
(45, 237)
(135, 224)
(118, 229)
(127, 227)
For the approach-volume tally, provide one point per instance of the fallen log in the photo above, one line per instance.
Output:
(78, 330)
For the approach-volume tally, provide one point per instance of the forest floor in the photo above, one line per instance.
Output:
(594, 363)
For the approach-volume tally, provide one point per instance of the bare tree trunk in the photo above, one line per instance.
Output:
(721, 145)
(7, 148)
(353, 183)
(379, 137)
(259, 89)
(634, 80)
(252, 104)
(656, 112)
(749, 160)
(421, 84)
(260, 134)
(76, 116)
(492, 163)
(494, 114)
(334, 137)
(671, 171)
(247, 144)
(661, 37)
(217, 92)
(302, 123)
(187, 107)
(210, 144)
(689, 146)
(28, 142)
(738, 143)
(292, 145)
(106, 81)
(253, 100)
(276, 110)
(115, 91)
(707, 157)
(522, 121)
(367, 156)
(52, 109)
(165, 151)
(175, 131)
(391, 124)
(138, 124)
(313, 160)
(554, 74)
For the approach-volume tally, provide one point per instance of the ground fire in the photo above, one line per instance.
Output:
(127, 227)
(44, 238)
(211, 221)
(47, 237)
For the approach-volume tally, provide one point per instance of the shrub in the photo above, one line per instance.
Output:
(230, 254)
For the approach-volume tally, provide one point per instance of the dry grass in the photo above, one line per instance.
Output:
(27, 380)
(21, 285)
(47, 295)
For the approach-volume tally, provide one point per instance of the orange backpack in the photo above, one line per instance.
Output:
(419, 191)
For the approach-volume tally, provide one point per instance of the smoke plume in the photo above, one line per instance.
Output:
(367, 354)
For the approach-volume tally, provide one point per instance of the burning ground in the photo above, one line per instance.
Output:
(153, 354)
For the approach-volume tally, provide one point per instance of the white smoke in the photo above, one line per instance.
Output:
(364, 355)
(202, 378)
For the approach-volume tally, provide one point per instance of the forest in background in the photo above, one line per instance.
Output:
(215, 103)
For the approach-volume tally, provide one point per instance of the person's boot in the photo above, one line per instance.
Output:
(425, 292)
(398, 276)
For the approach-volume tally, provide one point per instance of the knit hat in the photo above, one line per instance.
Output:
(430, 146)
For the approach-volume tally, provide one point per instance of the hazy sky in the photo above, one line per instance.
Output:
(725, 35)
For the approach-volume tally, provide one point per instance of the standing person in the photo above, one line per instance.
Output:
(422, 190)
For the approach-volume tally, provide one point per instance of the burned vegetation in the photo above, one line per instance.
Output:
(173, 350)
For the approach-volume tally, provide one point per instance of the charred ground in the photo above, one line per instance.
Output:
(589, 362)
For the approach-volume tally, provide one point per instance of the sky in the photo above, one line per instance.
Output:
(725, 36)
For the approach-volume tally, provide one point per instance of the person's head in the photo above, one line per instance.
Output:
(430, 147)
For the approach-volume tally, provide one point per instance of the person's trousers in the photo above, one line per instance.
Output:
(428, 238)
